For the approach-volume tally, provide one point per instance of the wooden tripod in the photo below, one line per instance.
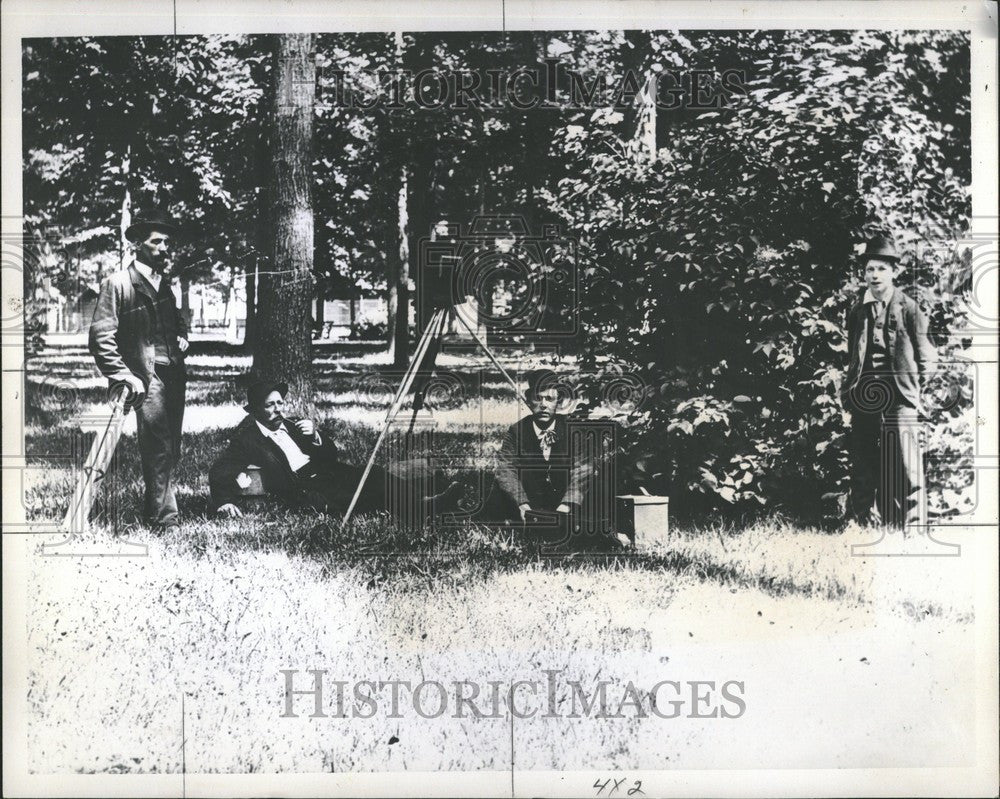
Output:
(423, 364)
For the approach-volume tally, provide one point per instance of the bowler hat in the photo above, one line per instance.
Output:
(259, 389)
(880, 247)
(154, 219)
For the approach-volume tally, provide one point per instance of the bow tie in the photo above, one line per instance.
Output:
(548, 437)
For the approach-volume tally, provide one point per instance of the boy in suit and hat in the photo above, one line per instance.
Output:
(889, 354)
(138, 339)
(298, 464)
(537, 471)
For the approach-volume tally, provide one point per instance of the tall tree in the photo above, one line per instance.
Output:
(283, 341)
(397, 260)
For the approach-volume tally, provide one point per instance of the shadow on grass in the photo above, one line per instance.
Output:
(377, 550)
(381, 554)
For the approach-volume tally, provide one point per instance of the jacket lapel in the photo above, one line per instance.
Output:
(303, 443)
(142, 285)
(269, 449)
(530, 445)
(560, 445)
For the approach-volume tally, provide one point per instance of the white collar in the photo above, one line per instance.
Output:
(268, 431)
(869, 297)
(540, 430)
(147, 272)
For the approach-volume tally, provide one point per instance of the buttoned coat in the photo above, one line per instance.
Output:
(527, 478)
(122, 333)
(910, 353)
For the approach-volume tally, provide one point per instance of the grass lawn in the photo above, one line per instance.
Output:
(843, 659)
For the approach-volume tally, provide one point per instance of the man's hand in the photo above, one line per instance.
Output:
(183, 344)
(135, 390)
(308, 428)
(230, 511)
(523, 510)
(563, 508)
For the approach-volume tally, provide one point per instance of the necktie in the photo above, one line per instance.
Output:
(878, 320)
(547, 437)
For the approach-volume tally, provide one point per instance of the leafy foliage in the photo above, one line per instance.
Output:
(739, 237)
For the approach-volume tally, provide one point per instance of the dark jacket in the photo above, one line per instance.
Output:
(248, 446)
(911, 354)
(122, 331)
(527, 477)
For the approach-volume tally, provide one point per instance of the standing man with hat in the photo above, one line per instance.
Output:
(138, 339)
(889, 355)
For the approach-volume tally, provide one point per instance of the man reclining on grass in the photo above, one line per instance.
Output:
(299, 465)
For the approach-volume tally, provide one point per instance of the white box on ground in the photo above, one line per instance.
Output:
(644, 518)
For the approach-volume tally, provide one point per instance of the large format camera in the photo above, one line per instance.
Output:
(523, 285)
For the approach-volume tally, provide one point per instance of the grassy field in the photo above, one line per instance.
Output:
(842, 658)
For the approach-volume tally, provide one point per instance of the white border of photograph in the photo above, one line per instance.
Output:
(24, 18)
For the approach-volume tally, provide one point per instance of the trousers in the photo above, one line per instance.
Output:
(887, 474)
(160, 418)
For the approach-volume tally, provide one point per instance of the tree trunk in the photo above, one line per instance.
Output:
(320, 316)
(283, 321)
(262, 246)
(401, 313)
(391, 268)
(126, 220)
(250, 284)
(186, 299)
(397, 278)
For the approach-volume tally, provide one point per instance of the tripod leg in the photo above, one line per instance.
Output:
(417, 357)
(94, 468)
(431, 332)
(423, 378)
(431, 335)
(496, 363)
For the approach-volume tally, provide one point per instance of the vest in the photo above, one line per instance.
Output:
(876, 351)
(158, 334)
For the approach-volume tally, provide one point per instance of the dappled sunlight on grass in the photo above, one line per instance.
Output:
(216, 609)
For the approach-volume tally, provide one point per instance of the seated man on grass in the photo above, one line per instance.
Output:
(543, 482)
(298, 464)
